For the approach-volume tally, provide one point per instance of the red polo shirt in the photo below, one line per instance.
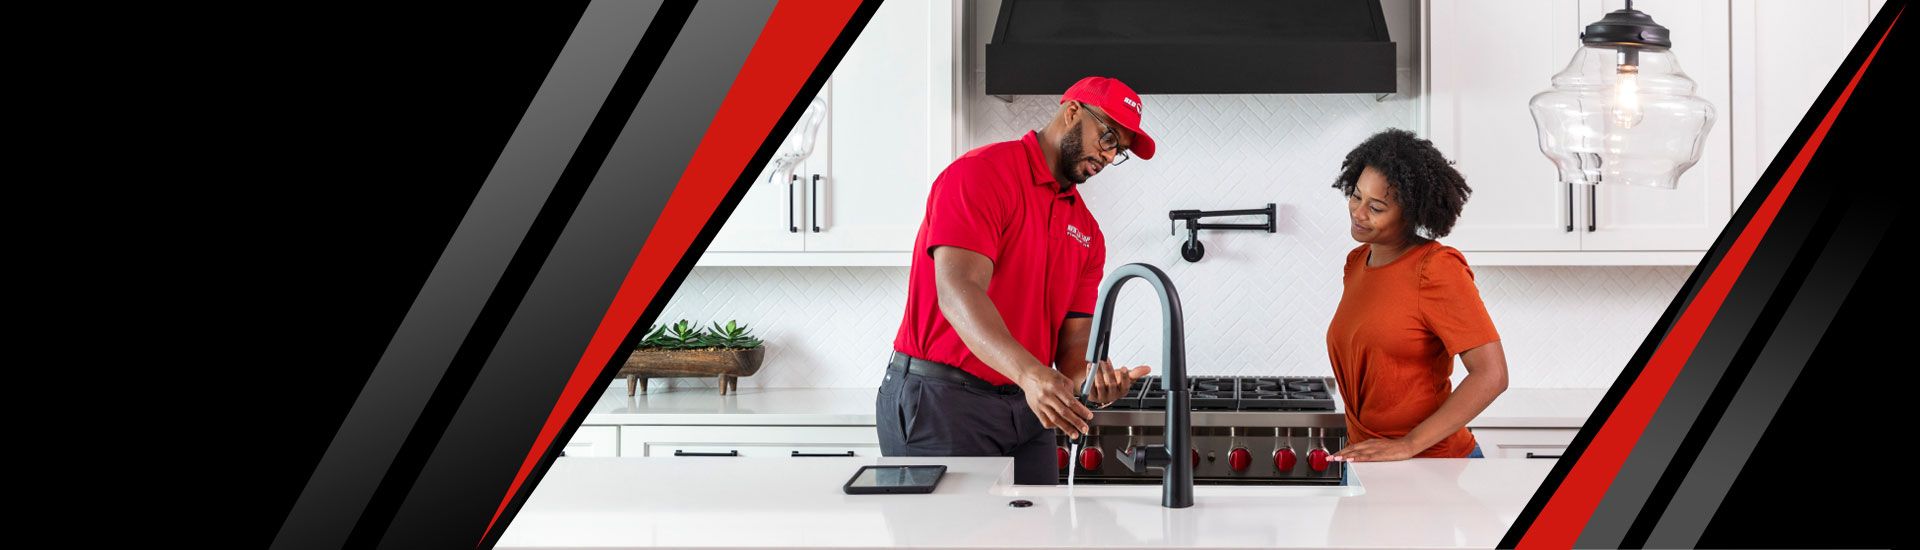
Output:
(1048, 255)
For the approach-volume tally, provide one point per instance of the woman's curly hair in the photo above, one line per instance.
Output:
(1429, 190)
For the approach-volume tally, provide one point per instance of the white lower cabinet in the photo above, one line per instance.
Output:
(748, 441)
(594, 441)
(1544, 443)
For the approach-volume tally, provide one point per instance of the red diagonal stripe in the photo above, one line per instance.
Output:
(1572, 505)
(792, 44)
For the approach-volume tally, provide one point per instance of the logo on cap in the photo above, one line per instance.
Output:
(1134, 104)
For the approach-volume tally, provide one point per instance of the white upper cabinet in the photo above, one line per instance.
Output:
(769, 216)
(1776, 79)
(1486, 58)
(1690, 216)
(889, 127)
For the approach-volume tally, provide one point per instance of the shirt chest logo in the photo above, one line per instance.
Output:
(1084, 239)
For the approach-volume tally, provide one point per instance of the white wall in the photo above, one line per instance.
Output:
(1258, 304)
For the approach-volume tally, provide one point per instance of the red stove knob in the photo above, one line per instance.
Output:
(1318, 460)
(1064, 459)
(1090, 458)
(1239, 459)
(1284, 460)
(1196, 457)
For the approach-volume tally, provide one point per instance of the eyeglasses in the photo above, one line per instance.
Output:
(1108, 141)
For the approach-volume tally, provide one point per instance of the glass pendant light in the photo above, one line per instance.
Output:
(1622, 113)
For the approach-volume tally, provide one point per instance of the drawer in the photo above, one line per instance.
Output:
(753, 441)
(594, 441)
(1542, 443)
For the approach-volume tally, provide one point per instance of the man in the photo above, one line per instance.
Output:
(1000, 296)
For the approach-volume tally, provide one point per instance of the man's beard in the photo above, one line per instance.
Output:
(1072, 153)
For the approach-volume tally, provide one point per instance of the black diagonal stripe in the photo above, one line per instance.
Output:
(1751, 307)
(1718, 455)
(485, 441)
(1727, 352)
(449, 308)
(1687, 497)
(738, 192)
(634, 77)
(1808, 482)
(741, 186)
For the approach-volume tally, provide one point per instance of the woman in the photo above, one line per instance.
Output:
(1409, 306)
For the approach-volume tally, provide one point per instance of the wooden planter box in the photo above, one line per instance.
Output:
(728, 364)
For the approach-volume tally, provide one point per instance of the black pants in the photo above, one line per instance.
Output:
(920, 416)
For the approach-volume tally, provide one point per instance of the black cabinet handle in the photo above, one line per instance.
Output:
(1533, 455)
(791, 227)
(678, 452)
(1569, 208)
(798, 453)
(816, 203)
(1592, 211)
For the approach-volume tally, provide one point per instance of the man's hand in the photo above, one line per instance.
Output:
(1111, 383)
(1376, 450)
(961, 277)
(1050, 394)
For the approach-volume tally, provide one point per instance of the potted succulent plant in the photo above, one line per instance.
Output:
(685, 349)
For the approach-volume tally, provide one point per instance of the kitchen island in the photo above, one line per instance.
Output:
(797, 503)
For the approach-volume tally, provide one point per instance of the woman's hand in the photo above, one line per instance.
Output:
(1110, 384)
(1376, 450)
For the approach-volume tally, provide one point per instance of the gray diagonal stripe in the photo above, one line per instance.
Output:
(1774, 371)
(489, 435)
(466, 274)
(1647, 462)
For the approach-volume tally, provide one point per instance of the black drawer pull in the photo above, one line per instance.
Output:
(678, 452)
(798, 453)
(1569, 204)
(795, 228)
(1593, 210)
(815, 203)
(1532, 455)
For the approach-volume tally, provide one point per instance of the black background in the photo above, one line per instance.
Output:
(412, 110)
(249, 199)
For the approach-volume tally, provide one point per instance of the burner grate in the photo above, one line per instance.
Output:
(1236, 393)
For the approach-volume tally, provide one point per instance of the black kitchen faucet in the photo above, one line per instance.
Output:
(1177, 483)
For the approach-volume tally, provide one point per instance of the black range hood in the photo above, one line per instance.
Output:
(1041, 47)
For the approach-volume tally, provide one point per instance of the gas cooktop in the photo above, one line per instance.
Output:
(1236, 393)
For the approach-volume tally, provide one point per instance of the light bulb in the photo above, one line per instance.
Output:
(1626, 97)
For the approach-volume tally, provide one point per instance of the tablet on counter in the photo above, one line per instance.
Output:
(895, 479)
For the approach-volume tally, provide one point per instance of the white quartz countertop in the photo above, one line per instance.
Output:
(1516, 408)
(787, 503)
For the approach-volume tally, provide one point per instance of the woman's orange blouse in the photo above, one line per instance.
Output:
(1393, 338)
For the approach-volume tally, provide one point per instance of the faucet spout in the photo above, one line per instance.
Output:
(1178, 479)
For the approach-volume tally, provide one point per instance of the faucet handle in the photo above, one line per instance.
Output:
(1141, 457)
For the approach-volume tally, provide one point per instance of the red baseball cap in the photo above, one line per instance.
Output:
(1118, 102)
